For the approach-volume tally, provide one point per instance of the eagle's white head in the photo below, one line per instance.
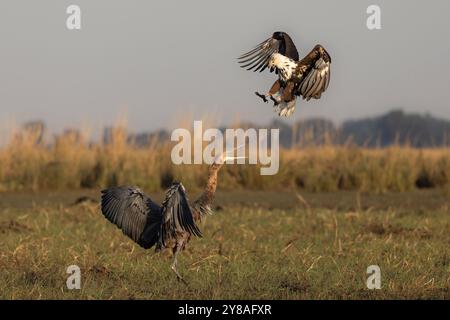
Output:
(285, 65)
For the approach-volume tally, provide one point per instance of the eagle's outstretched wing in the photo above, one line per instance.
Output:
(133, 212)
(259, 57)
(177, 215)
(316, 77)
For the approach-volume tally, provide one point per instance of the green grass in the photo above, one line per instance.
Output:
(259, 245)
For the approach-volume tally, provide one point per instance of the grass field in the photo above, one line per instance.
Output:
(258, 245)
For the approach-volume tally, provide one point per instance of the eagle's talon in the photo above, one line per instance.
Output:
(275, 101)
(262, 96)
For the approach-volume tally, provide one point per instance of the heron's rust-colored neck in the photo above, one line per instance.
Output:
(204, 202)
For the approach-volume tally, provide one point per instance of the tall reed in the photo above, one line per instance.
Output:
(70, 161)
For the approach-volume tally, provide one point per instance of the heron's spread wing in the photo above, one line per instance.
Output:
(317, 75)
(130, 210)
(176, 214)
(258, 58)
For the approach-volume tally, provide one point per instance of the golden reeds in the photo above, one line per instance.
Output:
(70, 161)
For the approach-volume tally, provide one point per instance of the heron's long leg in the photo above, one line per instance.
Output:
(175, 263)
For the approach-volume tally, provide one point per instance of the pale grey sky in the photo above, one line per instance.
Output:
(163, 60)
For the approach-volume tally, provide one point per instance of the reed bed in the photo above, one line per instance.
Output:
(71, 161)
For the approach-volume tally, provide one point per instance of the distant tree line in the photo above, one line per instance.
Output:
(393, 128)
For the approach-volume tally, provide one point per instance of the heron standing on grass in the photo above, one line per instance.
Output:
(170, 225)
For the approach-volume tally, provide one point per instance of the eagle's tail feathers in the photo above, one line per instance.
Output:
(285, 109)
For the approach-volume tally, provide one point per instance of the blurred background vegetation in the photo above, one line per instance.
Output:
(394, 152)
(338, 204)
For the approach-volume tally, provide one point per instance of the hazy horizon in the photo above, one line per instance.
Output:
(162, 62)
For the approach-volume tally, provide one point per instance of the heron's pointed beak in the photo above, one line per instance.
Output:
(233, 158)
(221, 159)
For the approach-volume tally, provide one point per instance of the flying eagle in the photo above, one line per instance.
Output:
(308, 77)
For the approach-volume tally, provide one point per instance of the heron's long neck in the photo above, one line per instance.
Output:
(205, 200)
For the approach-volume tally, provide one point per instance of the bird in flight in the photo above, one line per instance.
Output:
(170, 225)
(308, 77)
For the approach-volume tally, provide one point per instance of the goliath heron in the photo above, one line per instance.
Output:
(170, 225)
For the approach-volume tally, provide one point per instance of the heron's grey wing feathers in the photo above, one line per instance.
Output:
(317, 75)
(129, 209)
(176, 215)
